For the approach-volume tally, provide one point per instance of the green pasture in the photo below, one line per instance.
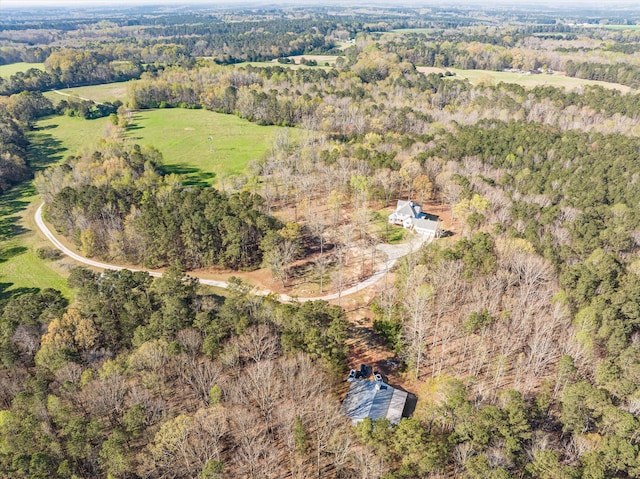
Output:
(527, 81)
(197, 143)
(98, 93)
(201, 144)
(292, 66)
(632, 28)
(11, 69)
(20, 268)
(181, 135)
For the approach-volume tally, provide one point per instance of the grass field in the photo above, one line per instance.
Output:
(72, 135)
(321, 59)
(182, 136)
(100, 93)
(292, 66)
(633, 28)
(7, 70)
(20, 268)
(528, 81)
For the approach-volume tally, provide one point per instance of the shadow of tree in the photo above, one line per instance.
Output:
(7, 254)
(43, 150)
(192, 176)
(11, 203)
(6, 292)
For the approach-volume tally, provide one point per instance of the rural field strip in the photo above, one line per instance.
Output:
(76, 96)
(393, 252)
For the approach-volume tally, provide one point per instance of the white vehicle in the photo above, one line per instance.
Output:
(377, 377)
(352, 375)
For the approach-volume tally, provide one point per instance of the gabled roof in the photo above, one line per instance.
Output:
(425, 224)
(406, 208)
(364, 399)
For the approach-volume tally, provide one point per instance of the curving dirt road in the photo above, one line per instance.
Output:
(393, 252)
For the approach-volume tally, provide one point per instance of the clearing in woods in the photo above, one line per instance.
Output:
(524, 79)
(12, 68)
(99, 93)
(198, 143)
(21, 270)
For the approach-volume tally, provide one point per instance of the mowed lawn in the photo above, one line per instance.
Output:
(527, 81)
(11, 69)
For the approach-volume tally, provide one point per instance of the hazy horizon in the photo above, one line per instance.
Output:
(101, 3)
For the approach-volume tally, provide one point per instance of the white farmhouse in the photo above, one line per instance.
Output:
(408, 214)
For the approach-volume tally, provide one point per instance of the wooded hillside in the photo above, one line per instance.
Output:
(518, 328)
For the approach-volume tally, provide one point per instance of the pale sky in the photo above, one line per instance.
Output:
(88, 3)
(99, 3)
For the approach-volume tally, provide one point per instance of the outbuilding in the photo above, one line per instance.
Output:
(375, 400)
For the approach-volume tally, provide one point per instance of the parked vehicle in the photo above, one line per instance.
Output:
(352, 375)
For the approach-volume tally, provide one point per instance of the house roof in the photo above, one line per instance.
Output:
(365, 400)
(425, 224)
(407, 208)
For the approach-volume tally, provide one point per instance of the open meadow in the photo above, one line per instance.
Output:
(407, 31)
(12, 68)
(21, 270)
(198, 143)
(524, 79)
(99, 93)
(201, 143)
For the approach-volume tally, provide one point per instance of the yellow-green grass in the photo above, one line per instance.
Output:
(99, 93)
(72, 135)
(527, 81)
(21, 270)
(11, 69)
(181, 135)
(615, 27)
(202, 144)
(321, 59)
(389, 233)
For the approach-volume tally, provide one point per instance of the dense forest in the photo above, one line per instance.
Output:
(518, 330)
